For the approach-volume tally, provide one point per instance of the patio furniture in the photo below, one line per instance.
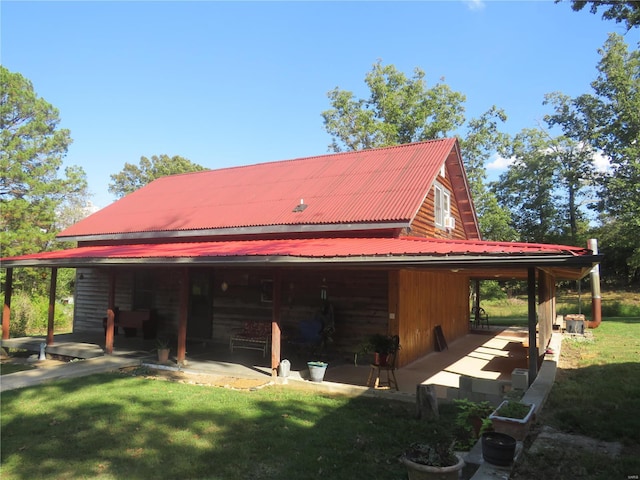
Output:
(389, 367)
(479, 317)
(133, 320)
(252, 336)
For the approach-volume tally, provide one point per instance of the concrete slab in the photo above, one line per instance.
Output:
(81, 368)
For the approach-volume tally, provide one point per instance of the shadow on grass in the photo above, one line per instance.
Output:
(113, 426)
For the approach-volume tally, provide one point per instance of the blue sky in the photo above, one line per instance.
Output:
(232, 83)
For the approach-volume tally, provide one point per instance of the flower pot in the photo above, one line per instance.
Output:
(380, 358)
(317, 371)
(163, 355)
(518, 428)
(498, 448)
(419, 471)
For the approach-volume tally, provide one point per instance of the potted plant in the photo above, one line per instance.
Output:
(513, 418)
(381, 345)
(317, 370)
(162, 346)
(434, 458)
(472, 418)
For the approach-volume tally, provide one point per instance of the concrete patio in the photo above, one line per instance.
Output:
(487, 356)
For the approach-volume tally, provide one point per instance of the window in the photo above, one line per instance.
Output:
(143, 290)
(442, 205)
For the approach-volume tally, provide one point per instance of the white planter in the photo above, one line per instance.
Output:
(518, 428)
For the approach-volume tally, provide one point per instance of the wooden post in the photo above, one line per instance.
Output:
(108, 347)
(52, 305)
(426, 402)
(275, 323)
(6, 310)
(533, 344)
(182, 316)
(476, 304)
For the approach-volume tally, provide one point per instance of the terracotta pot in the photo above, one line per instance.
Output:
(163, 355)
(380, 359)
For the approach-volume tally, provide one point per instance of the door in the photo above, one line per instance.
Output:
(200, 321)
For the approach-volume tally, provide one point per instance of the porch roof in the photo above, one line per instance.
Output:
(509, 257)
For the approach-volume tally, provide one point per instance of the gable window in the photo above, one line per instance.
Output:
(442, 205)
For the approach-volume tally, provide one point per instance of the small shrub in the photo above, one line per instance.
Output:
(30, 315)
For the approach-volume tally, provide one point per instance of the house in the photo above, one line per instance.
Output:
(387, 237)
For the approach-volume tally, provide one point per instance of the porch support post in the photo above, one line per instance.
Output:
(52, 305)
(275, 323)
(111, 314)
(6, 309)
(533, 344)
(476, 320)
(182, 316)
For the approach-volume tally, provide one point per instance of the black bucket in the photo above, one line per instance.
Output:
(498, 448)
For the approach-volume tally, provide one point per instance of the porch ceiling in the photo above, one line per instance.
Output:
(477, 259)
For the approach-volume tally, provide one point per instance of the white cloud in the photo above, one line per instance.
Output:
(499, 163)
(601, 162)
(475, 4)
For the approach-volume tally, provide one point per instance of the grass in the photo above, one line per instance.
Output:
(596, 394)
(114, 426)
(513, 310)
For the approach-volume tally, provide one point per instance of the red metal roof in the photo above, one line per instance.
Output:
(319, 248)
(386, 185)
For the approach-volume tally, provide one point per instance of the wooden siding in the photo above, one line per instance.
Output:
(427, 299)
(359, 299)
(424, 223)
(91, 297)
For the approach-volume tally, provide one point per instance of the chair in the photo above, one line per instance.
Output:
(389, 367)
(479, 316)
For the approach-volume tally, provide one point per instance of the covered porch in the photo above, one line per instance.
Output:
(487, 358)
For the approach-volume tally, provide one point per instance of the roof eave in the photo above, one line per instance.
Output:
(239, 231)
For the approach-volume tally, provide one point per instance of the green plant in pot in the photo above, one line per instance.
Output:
(513, 418)
(433, 457)
(162, 347)
(472, 419)
(381, 345)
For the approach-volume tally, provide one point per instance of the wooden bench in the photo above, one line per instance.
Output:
(133, 320)
(252, 336)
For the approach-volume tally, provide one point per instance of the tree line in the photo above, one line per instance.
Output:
(552, 191)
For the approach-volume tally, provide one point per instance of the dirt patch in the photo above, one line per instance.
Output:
(552, 439)
(234, 383)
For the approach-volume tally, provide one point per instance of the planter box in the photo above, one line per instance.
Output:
(515, 427)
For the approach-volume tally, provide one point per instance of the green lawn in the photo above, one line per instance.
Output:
(114, 426)
(597, 394)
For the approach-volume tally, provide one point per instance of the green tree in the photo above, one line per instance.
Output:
(482, 140)
(526, 188)
(627, 12)
(399, 110)
(545, 186)
(403, 110)
(32, 191)
(132, 177)
(609, 121)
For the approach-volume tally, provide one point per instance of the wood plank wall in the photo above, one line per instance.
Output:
(359, 299)
(424, 224)
(427, 299)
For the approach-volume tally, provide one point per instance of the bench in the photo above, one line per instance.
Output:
(133, 320)
(252, 336)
